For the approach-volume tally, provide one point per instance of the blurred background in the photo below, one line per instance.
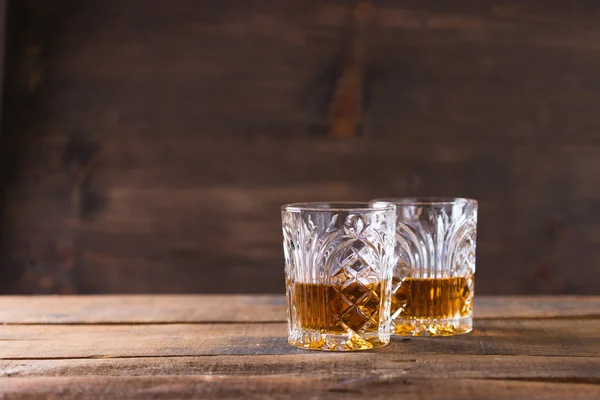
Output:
(147, 145)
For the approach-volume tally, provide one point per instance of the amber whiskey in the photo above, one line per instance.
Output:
(432, 306)
(350, 309)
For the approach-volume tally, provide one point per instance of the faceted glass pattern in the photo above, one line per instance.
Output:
(339, 261)
(433, 281)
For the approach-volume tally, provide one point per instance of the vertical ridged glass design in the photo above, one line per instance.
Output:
(339, 260)
(433, 281)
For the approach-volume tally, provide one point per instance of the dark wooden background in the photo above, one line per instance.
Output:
(147, 144)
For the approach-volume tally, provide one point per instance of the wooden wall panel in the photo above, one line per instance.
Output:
(2, 42)
(148, 145)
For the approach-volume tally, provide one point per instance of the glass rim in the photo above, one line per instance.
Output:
(338, 206)
(427, 201)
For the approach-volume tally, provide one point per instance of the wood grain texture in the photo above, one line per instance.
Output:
(276, 387)
(2, 45)
(155, 228)
(529, 350)
(572, 338)
(148, 146)
(140, 309)
(165, 309)
(311, 364)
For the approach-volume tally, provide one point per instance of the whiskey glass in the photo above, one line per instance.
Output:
(339, 259)
(434, 277)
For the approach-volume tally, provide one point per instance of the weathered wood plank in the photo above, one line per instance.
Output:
(537, 307)
(548, 353)
(180, 129)
(138, 309)
(490, 337)
(564, 369)
(431, 70)
(2, 48)
(152, 217)
(283, 387)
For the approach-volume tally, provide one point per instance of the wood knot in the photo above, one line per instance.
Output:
(346, 107)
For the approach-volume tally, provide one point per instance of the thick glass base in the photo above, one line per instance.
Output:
(315, 340)
(432, 327)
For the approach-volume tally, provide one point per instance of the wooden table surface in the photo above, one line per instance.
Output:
(235, 347)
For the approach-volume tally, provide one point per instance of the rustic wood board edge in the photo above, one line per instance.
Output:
(442, 366)
(142, 309)
(215, 386)
(533, 337)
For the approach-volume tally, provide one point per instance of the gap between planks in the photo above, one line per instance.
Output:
(209, 322)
